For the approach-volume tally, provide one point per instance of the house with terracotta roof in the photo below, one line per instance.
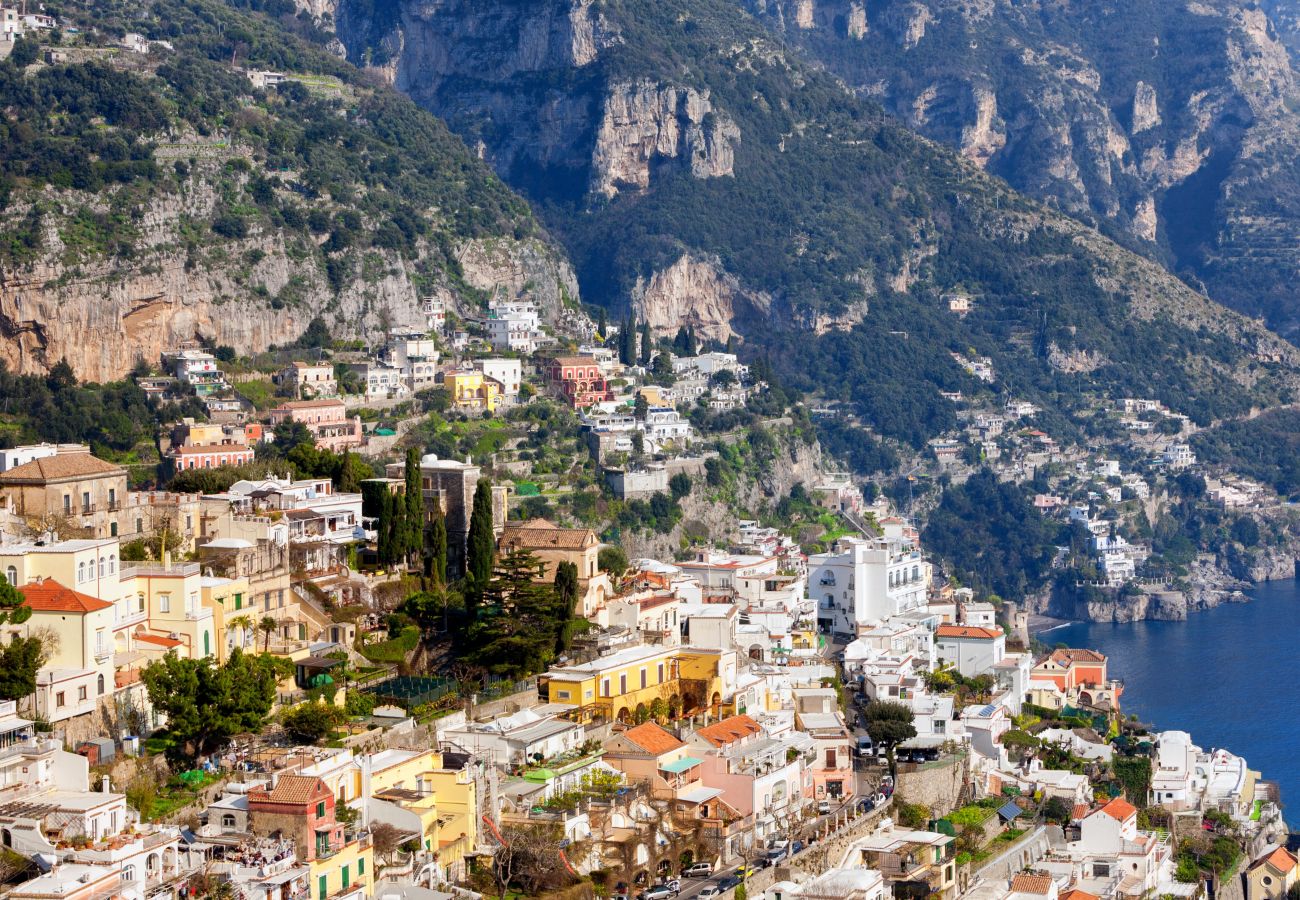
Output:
(72, 485)
(1032, 886)
(577, 380)
(326, 419)
(78, 674)
(553, 545)
(1114, 857)
(650, 754)
(1272, 875)
(970, 649)
(1075, 676)
(300, 809)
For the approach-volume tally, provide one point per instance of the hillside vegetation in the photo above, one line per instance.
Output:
(830, 214)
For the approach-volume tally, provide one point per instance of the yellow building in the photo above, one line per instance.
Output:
(225, 598)
(616, 685)
(349, 872)
(472, 390)
(424, 793)
(173, 594)
(1272, 876)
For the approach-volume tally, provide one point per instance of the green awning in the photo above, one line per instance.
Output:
(681, 765)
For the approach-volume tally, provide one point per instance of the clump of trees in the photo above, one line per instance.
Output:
(206, 703)
(889, 724)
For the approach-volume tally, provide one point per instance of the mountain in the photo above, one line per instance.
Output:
(148, 198)
(1169, 124)
(699, 170)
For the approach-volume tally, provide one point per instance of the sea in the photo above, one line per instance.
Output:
(1227, 676)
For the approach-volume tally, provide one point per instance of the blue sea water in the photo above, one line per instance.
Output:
(1227, 676)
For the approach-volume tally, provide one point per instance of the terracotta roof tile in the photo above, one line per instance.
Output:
(542, 535)
(1067, 655)
(50, 596)
(1280, 859)
(1077, 894)
(62, 465)
(1032, 884)
(968, 631)
(653, 739)
(729, 730)
(292, 789)
(1118, 809)
(159, 639)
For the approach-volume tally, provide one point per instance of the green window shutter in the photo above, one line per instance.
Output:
(322, 887)
(361, 865)
(346, 879)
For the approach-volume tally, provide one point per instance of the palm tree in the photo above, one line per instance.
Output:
(243, 623)
(267, 626)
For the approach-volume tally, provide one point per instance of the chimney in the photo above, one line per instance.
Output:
(105, 786)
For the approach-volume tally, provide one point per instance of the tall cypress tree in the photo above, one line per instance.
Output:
(414, 535)
(481, 552)
(437, 547)
(627, 343)
(602, 324)
(645, 343)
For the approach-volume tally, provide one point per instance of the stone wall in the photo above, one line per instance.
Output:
(937, 785)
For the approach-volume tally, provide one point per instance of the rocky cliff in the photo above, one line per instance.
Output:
(237, 213)
(1170, 123)
(102, 314)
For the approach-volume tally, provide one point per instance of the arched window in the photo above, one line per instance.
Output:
(916, 573)
(228, 821)
(101, 685)
(12, 575)
(128, 873)
(81, 572)
(112, 563)
(103, 567)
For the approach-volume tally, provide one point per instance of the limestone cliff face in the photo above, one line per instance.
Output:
(695, 292)
(103, 314)
(646, 125)
(1170, 120)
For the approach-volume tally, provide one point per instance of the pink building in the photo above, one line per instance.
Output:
(209, 456)
(327, 420)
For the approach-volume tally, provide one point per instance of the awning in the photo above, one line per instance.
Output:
(699, 795)
(681, 765)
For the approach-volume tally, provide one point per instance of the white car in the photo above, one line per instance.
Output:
(708, 891)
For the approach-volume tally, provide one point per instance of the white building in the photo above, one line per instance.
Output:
(1178, 456)
(415, 355)
(509, 372)
(868, 580)
(970, 649)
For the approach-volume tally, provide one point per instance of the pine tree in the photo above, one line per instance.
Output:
(646, 343)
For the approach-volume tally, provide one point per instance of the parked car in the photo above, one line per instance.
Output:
(728, 882)
(708, 891)
(657, 892)
(673, 884)
(823, 807)
(746, 871)
(865, 746)
(866, 804)
(796, 847)
(699, 870)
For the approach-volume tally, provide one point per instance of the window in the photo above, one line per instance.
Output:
(60, 700)
(228, 821)
(164, 603)
(322, 887)
(112, 529)
(604, 688)
(103, 567)
(320, 810)
(67, 503)
(128, 873)
(81, 572)
(622, 684)
(85, 501)
(661, 673)
(562, 695)
(81, 692)
(99, 685)
(830, 759)
(112, 563)
(347, 880)
(361, 865)
(112, 496)
(12, 575)
(643, 677)
(140, 606)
